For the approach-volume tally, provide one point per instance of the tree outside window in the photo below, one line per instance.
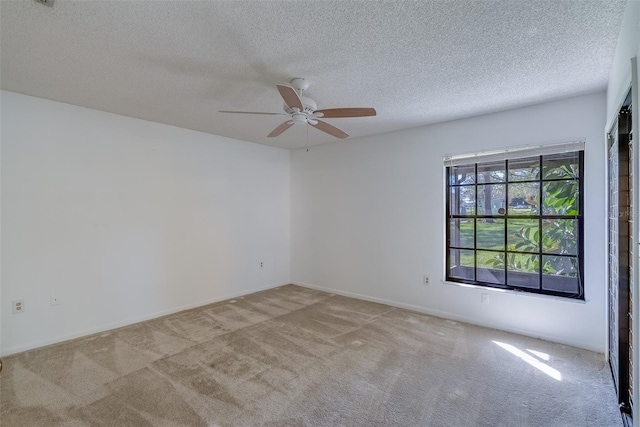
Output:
(517, 224)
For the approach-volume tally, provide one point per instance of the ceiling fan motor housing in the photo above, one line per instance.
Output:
(309, 106)
(298, 118)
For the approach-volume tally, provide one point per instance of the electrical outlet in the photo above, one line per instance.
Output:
(261, 265)
(17, 306)
(426, 280)
(55, 300)
(484, 298)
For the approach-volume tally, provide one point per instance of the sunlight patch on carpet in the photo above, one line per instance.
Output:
(539, 354)
(553, 373)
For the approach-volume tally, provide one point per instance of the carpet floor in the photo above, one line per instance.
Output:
(292, 356)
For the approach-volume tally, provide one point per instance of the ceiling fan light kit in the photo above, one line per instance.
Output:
(303, 110)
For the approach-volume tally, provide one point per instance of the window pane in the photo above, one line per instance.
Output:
(490, 199)
(564, 165)
(560, 198)
(560, 274)
(491, 172)
(524, 169)
(461, 233)
(524, 198)
(465, 174)
(490, 267)
(462, 200)
(516, 223)
(523, 235)
(560, 236)
(523, 270)
(461, 264)
(490, 233)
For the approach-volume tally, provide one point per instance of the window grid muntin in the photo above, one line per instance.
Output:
(541, 217)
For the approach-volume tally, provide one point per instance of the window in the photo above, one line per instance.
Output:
(515, 221)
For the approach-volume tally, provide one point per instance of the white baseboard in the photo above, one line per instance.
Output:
(453, 316)
(419, 309)
(127, 322)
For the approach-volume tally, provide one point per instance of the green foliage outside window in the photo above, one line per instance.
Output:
(532, 203)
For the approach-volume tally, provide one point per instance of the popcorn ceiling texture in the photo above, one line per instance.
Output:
(416, 62)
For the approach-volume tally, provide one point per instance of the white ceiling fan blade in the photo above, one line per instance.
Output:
(291, 97)
(252, 112)
(330, 129)
(277, 131)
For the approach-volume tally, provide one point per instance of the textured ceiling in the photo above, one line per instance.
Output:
(417, 63)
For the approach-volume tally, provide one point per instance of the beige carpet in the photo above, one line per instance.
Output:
(292, 356)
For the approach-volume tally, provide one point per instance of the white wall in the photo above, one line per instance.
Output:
(367, 218)
(124, 219)
(628, 46)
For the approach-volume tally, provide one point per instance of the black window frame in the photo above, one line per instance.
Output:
(541, 216)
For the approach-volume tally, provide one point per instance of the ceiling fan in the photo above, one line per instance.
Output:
(302, 109)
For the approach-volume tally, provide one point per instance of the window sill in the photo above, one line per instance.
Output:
(512, 292)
